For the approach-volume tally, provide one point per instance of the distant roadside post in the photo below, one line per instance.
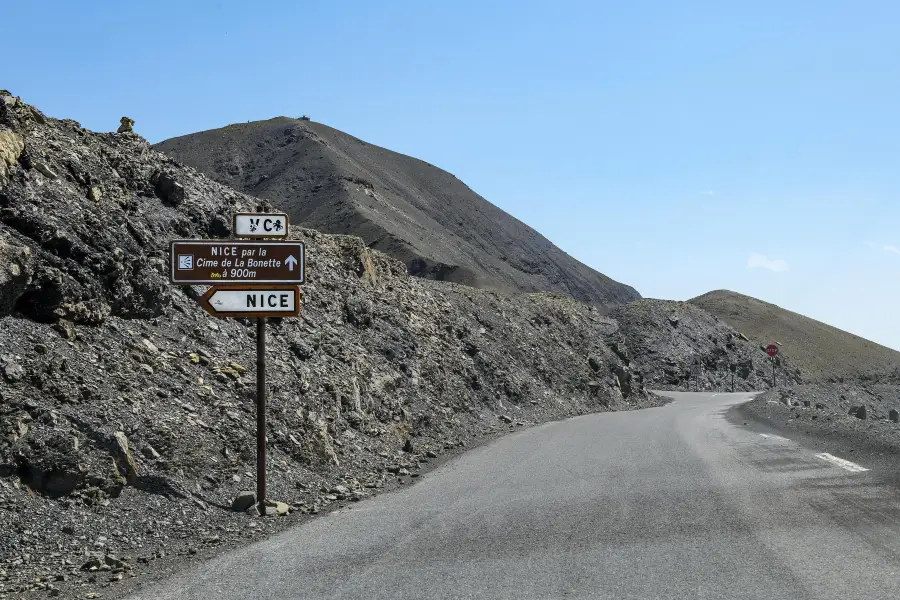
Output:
(695, 371)
(772, 350)
(247, 279)
(733, 367)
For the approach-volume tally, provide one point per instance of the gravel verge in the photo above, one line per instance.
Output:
(827, 418)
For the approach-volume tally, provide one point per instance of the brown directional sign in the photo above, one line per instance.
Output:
(252, 301)
(214, 262)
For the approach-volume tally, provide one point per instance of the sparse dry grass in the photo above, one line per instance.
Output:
(820, 351)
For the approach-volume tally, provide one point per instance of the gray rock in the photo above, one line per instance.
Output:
(243, 501)
(15, 273)
(124, 460)
(126, 125)
(358, 311)
(45, 170)
(167, 188)
(302, 350)
(13, 371)
(65, 328)
(894, 415)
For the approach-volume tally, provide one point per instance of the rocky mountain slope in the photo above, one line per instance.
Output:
(407, 208)
(822, 352)
(127, 415)
(127, 418)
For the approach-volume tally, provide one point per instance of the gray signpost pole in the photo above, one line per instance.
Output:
(773, 371)
(261, 414)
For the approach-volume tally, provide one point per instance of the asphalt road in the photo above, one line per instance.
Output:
(671, 502)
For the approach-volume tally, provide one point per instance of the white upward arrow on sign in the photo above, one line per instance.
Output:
(291, 261)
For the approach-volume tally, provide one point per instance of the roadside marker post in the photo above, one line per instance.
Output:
(261, 415)
(695, 371)
(247, 279)
(733, 369)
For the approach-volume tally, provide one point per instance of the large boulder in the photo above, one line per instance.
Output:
(126, 125)
(11, 147)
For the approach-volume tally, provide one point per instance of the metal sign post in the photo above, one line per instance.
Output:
(261, 414)
(772, 350)
(247, 280)
(733, 369)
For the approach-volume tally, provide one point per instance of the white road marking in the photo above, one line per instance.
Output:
(774, 437)
(840, 462)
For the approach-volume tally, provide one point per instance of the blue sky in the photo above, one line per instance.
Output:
(665, 144)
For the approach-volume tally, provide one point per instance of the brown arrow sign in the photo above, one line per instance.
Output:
(212, 262)
(251, 301)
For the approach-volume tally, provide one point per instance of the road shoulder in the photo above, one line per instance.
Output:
(817, 417)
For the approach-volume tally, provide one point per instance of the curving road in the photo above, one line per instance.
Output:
(671, 502)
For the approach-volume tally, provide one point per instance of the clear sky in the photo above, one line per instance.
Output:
(679, 147)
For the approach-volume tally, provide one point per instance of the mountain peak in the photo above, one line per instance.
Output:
(413, 211)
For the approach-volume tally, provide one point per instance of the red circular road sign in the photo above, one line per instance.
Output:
(771, 349)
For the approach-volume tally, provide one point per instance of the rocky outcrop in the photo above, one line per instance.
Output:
(126, 125)
(11, 147)
(663, 338)
(15, 275)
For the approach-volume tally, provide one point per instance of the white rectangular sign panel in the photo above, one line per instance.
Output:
(260, 225)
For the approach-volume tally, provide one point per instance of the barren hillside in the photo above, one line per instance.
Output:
(407, 208)
(820, 351)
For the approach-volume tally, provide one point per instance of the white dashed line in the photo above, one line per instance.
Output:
(840, 462)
